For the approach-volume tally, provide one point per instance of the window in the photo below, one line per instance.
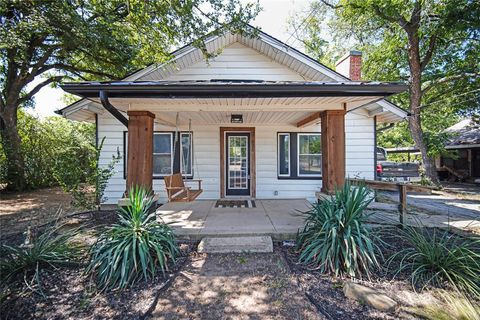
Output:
(309, 155)
(164, 161)
(284, 154)
(187, 154)
(299, 155)
(162, 154)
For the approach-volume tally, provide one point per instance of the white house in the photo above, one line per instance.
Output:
(260, 120)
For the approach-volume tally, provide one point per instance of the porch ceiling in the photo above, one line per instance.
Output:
(254, 110)
(223, 118)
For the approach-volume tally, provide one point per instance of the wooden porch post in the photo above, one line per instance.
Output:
(333, 149)
(140, 149)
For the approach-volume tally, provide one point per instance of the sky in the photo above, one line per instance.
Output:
(272, 20)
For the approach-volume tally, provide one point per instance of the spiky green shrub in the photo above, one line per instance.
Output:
(335, 238)
(136, 247)
(439, 257)
(51, 248)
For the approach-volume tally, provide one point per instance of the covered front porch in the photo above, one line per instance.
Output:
(269, 111)
(195, 220)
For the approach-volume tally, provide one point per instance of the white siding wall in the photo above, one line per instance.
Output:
(359, 158)
(236, 62)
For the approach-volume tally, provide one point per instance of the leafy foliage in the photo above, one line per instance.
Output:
(70, 177)
(137, 247)
(46, 42)
(335, 238)
(48, 145)
(50, 249)
(431, 45)
(439, 257)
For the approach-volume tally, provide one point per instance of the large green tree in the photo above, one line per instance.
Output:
(433, 45)
(92, 39)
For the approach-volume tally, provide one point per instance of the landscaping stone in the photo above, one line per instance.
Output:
(235, 244)
(369, 296)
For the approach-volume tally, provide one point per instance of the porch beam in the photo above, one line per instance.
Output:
(333, 149)
(140, 149)
(314, 117)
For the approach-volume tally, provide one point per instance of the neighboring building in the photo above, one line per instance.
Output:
(464, 145)
(260, 120)
(465, 166)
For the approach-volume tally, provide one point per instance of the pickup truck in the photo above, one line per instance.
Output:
(391, 170)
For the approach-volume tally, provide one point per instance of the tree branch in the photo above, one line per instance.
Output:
(331, 5)
(76, 70)
(38, 87)
(428, 55)
(430, 84)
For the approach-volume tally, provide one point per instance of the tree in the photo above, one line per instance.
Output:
(433, 45)
(87, 39)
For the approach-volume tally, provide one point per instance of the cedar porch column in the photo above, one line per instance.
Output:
(140, 149)
(333, 149)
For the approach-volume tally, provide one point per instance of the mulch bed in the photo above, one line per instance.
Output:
(326, 292)
(69, 294)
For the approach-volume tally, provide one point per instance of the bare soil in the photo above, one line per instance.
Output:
(34, 208)
(235, 286)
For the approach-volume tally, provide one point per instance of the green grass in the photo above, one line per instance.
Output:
(136, 247)
(335, 238)
(435, 258)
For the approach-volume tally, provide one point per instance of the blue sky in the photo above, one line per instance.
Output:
(272, 20)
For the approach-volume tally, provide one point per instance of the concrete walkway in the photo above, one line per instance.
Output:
(195, 220)
(281, 219)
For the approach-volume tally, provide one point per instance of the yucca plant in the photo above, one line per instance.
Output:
(51, 248)
(136, 247)
(335, 238)
(439, 257)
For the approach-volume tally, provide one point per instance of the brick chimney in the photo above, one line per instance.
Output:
(350, 65)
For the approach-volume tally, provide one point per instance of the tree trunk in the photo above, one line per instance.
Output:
(11, 143)
(414, 122)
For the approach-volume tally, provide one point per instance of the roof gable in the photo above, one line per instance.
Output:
(235, 62)
(241, 57)
(227, 47)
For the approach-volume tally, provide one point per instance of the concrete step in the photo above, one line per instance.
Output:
(236, 244)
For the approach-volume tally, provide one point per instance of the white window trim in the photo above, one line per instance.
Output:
(187, 174)
(157, 175)
(288, 153)
(306, 154)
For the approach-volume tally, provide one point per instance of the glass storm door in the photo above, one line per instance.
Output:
(237, 164)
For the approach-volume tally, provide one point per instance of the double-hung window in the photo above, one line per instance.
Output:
(166, 156)
(299, 155)
(162, 153)
(309, 155)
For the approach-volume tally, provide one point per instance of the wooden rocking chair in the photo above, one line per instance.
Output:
(178, 192)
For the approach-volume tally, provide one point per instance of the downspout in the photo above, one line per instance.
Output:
(113, 111)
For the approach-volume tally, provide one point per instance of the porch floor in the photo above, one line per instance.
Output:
(195, 220)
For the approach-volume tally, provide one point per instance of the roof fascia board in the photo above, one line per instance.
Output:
(393, 108)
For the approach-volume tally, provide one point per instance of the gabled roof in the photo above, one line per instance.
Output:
(310, 69)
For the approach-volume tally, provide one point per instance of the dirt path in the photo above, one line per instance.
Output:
(235, 286)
